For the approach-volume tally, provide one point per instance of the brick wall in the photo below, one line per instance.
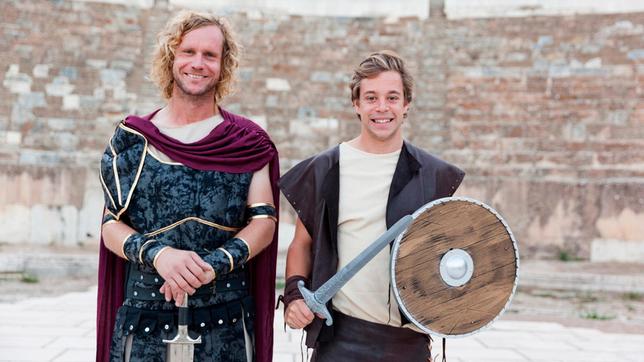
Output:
(544, 113)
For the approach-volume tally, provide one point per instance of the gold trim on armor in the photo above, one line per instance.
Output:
(109, 194)
(258, 204)
(123, 245)
(138, 171)
(156, 157)
(143, 248)
(154, 261)
(193, 218)
(116, 173)
(230, 258)
(247, 246)
(264, 216)
(111, 222)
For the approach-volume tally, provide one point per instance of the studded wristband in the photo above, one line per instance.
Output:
(231, 255)
(139, 249)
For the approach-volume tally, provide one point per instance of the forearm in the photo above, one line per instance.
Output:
(258, 234)
(298, 264)
(114, 234)
(236, 251)
(298, 260)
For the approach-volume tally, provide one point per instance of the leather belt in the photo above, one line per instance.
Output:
(145, 286)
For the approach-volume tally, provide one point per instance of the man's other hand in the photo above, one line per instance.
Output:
(298, 315)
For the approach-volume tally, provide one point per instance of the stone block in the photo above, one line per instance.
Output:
(59, 87)
(90, 215)
(61, 124)
(70, 73)
(271, 101)
(13, 137)
(41, 70)
(36, 157)
(15, 222)
(245, 74)
(71, 102)
(53, 225)
(122, 64)
(625, 251)
(306, 112)
(17, 83)
(113, 78)
(96, 63)
(277, 84)
(320, 76)
(311, 128)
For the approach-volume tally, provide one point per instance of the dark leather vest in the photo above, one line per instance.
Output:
(312, 188)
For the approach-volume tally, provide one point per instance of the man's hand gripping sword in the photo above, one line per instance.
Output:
(317, 300)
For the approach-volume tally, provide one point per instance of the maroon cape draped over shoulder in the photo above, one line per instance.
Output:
(237, 145)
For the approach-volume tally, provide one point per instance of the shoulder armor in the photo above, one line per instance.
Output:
(121, 167)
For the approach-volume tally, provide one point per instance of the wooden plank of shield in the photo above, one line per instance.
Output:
(472, 228)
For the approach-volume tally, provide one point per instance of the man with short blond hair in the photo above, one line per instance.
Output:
(354, 192)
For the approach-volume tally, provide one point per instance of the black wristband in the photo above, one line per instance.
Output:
(233, 254)
(139, 249)
(291, 291)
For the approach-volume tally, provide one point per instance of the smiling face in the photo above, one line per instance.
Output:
(197, 62)
(381, 107)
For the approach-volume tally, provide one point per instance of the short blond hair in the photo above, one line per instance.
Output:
(376, 63)
(169, 39)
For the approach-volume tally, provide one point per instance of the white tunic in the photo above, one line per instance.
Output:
(365, 179)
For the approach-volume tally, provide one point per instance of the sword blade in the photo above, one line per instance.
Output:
(180, 353)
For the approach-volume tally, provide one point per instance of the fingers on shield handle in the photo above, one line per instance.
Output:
(313, 304)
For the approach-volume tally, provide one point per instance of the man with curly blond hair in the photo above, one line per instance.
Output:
(190, 193)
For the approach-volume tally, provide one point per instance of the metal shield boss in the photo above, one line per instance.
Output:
(454, 269)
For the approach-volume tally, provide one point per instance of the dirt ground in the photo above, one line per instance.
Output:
(609, 312)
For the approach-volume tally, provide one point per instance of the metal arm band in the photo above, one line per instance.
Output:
(123, 245)
(261, 211)
(231, 262)
(147, 243)
(247, 247)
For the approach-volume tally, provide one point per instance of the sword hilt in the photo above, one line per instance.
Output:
(314, 304)
(182, 336)
(316, 301)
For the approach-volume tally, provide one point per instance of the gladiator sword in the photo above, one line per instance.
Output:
(317, 300)
(182, 347)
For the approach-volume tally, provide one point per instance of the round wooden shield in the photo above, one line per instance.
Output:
(455, 269)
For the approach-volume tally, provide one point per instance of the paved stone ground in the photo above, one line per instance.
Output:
(61, 329)
(544, 322)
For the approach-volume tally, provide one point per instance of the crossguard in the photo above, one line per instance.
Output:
(182, 336)
(313, 304)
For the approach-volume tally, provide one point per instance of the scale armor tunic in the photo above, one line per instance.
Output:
(186, 209)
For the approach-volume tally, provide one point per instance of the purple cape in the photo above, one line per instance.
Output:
(237, 145)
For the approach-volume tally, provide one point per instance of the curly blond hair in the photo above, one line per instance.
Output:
(169, 39)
